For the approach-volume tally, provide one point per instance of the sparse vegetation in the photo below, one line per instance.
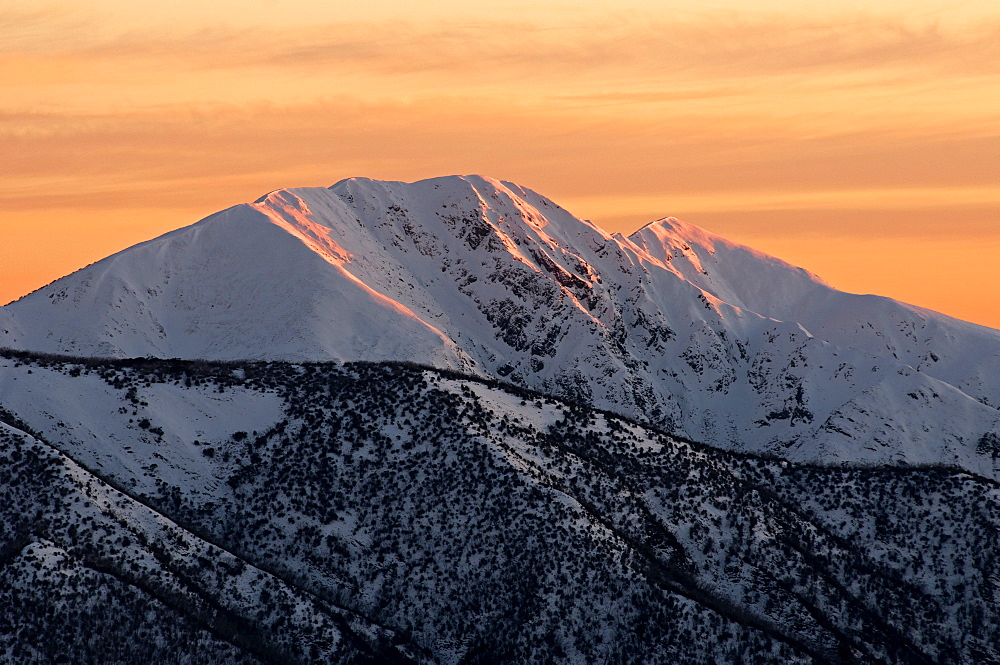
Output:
(398, 514)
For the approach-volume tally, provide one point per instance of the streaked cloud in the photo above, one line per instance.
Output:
(732, 47)
(684, 157)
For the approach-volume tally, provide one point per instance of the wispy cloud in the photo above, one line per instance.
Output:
(732, 47)
(134, 154)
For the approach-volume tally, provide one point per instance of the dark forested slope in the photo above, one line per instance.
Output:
(270, 512)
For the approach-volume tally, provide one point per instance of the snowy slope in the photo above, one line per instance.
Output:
(382, 513)
(239, 283)
(672, 325)
(90, 574)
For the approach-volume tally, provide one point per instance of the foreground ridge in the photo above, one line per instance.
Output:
(382, 512)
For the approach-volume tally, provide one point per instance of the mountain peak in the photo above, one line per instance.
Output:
(672, 325)
(735, 273)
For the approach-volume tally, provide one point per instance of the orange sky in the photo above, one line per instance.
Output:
(860, 140)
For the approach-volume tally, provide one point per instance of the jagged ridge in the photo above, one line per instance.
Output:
(671, 325)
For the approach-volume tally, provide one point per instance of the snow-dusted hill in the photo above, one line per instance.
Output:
(671, 325)
(188, 512)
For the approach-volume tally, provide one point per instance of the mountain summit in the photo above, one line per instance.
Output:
(671, 325)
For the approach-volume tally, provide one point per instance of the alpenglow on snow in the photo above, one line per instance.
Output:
(671, 325)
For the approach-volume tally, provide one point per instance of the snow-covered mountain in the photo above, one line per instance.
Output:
(671, 325)
(159, 511)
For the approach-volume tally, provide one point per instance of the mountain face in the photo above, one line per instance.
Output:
(195, 512)
(448, 422)
(672, 325)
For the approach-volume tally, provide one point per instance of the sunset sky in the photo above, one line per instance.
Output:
(860, 140)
